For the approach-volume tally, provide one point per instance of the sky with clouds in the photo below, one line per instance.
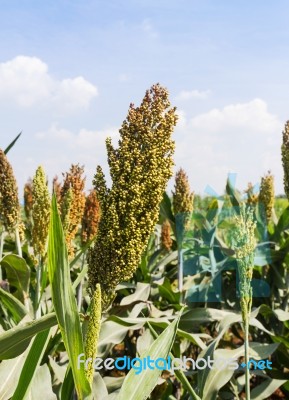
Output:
(69, 70)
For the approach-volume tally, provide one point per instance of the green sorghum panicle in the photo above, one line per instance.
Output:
(40, 212)
(139, 168)
(93, 330)
(9, 202)
(243, 242)
(183, 199)
(285, 158)
(267, 195)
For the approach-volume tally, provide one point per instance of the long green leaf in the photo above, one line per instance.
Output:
(64, 301)
(139, 387)
(14, 341)
(12, 143)
(31, 364)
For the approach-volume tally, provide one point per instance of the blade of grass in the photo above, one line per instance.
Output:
(64, 301)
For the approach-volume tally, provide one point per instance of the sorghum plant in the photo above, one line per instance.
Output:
(140, 169)
(243, 242)
(183, 207)
(40, 225)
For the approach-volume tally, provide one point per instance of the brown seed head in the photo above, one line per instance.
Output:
(166, 239)
(90, 218)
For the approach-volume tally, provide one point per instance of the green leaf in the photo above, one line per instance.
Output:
(31, 364)
(266, 388)
(41, 384)
(139, 387)
(9, 374)
(64, 301)
(18, 275)
(12, 304)
(14, 341)
(12, 143)
(141, 293)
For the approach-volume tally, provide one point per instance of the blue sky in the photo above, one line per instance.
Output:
(70, 69)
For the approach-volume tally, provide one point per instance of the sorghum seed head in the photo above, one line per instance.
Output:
(267, 195)
(9, 202)
(90, 218)
(40, 212)
(166, 239)
(140, 169)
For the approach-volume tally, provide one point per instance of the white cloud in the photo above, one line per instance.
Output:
(193, 94)
(243, 138)
(27, 82)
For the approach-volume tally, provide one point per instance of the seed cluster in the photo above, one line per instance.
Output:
(267, 195)
(90, 218)
(252, 198)
(72, 203)
(9, 202)
(40, 212)
(140, 169)
(166, 239)
(182, 198)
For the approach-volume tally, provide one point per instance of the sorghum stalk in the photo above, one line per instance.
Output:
(183, 207)
(9, 202)
(140, 169)
(93, 330)
(243, 242)
(40, 216)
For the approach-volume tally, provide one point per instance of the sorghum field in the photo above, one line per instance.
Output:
(131, 272)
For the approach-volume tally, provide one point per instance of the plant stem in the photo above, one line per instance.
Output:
(247, 370)
(180, 273)
(18, 242)
(38, 287)
(79, 287)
